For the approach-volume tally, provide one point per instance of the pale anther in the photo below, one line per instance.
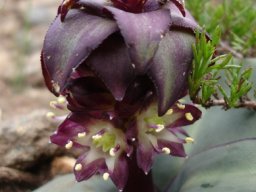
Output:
(69, 145)
(112, 152)
(81, 135)
(61, 99)
(50, 115)
(189, 140)
(181, 106)
(169, 112)
(53, 104)
(105, 176)
(160, 127)
(189, 116)
(166, 150)
(78, 167)
(97, 136)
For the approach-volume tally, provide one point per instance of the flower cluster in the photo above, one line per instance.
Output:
(122, 66)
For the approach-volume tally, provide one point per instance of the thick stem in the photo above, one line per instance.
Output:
(137, 180)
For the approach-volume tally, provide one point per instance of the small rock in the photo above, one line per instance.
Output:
(62, 165)
(25, 140)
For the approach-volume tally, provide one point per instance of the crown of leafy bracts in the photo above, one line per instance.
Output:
(122, 66)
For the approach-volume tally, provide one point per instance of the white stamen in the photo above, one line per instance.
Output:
(78, 167)
(160, 127)
(161, 36)
(133, 66)
(56, 87)
(105, 176)
(133, 139)
(189, 116)
(112, 152)
(169, 112)
(61, 99)
(166, 150)
(50, 115)
(96, 137)
(53, 104)
(180, 106)
(81, 135)
(189, 140)
(69, 145)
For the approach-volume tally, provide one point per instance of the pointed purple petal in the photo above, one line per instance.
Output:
(111, 62)
(68, 44)
(182, 120)
(120, 173)
(177, 149)
(66, 131)
(178, 20)
(90, 168)
(145, 155)
(142, 33)
(170, 66)
(180, 6)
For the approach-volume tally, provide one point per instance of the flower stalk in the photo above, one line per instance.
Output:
(138, 180)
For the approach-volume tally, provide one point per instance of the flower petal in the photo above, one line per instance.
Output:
(120, 173)
(142, 33)
(89, 167)
(177, 149)
(111, 62)
(178, 20)
(68, 44)
(186, 116)
(170, 66)
(66, 131)
(145, 154)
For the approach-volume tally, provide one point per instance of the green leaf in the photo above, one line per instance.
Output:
(67, 183)
(229, 167)
(223, 156)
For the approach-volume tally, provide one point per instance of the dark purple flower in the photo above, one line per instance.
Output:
(105, 145)
(122, 66)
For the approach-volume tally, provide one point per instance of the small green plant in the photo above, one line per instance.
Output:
(230, 16)
(205, 86)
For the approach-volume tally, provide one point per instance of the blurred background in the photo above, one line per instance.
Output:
(27, 160)
(23, 26)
